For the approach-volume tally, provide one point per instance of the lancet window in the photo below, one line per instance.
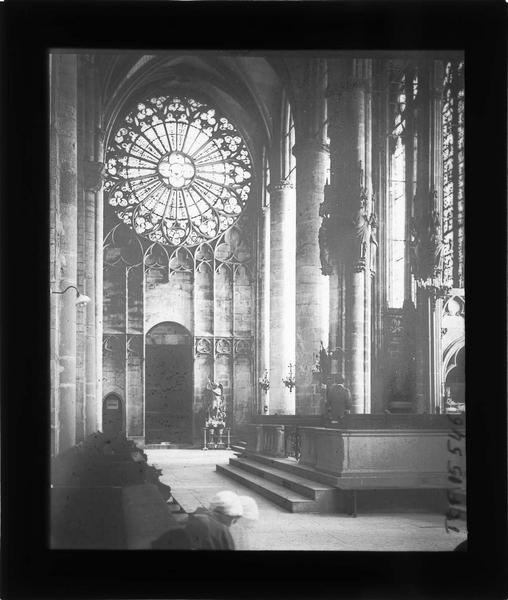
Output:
(402, 164)
(453, 174)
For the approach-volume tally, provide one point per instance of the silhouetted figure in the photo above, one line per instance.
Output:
(174, 539)
(338, 400)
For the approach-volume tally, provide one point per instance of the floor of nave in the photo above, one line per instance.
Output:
(192, 474)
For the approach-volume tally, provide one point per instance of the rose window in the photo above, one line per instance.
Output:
(177, 172)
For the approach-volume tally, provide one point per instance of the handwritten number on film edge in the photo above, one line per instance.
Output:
(455, 474)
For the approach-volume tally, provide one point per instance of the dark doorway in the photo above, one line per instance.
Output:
(112, 421)
(168, 384)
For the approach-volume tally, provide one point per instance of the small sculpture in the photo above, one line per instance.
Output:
(373, 241)
(361, 223)
(216, 408)
(324, 247)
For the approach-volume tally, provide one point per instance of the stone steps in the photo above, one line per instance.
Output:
(289, 465)
(306, 487)
(288, 490)
(282, 496)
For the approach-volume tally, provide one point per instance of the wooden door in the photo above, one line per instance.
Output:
(168, 393)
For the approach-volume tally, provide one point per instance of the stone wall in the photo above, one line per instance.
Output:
(209, 291)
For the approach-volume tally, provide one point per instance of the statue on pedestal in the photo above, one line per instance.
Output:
(216, 407)
(361, 224)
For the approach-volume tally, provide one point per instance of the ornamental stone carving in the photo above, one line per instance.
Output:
(223, 346)
(135, 345)
(210, 198)
(396, 325)
(113, 342)
(274, 188)
(203, 346)
(243, 347)
(455, 306)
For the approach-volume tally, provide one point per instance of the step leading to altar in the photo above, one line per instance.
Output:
(363, 462)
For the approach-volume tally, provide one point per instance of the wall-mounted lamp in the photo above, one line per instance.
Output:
(289, 380)
(80, 298)
(264, 383)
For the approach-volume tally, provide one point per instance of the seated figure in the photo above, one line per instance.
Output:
(338, 399)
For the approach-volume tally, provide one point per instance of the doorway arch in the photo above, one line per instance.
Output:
(454, 376)
(112, 415)
(168, 384)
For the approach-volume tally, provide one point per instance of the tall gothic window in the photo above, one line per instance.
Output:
(453, 174)
(178, 172)
(401, 186)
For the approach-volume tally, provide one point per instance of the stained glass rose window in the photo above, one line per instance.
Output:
(177, 172)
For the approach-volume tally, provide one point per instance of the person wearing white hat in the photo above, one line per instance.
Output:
(240, 530)
(226, 507)
(209, 528)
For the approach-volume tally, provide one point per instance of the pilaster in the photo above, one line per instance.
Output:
(426, 240)
(349, 212)
(64, 96)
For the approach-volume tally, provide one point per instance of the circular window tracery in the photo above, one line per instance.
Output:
(177, 172)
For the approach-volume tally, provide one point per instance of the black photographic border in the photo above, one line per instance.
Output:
(29, 31)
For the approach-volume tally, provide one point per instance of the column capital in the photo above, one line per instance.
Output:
(280, 186)
(93, 175)
(310, 145)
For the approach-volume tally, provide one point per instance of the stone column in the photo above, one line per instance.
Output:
(427, 239)
(350, 212)
(99, 248)
(365, 73)
(281, 297)
(312, 158)
(99, 276)
(263, 283)
(80, 280)
(311, 165)
(64, 98)
(92, 180)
